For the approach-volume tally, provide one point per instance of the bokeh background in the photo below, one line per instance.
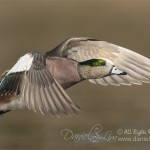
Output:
(27, 25)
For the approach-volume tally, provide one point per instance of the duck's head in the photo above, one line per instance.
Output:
(97, 68)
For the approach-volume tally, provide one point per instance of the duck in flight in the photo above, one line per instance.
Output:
(38, 81)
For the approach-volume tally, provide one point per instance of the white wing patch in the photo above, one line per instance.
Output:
(23, 64)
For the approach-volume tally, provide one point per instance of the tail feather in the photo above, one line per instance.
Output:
(3, 112)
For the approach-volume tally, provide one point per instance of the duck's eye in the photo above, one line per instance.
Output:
(94, 62)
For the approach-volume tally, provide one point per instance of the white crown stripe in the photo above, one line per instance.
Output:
(23, 64)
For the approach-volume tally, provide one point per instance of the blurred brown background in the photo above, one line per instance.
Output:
(28, 25)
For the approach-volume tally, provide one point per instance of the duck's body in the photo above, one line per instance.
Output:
(61, 68)
(38, 81)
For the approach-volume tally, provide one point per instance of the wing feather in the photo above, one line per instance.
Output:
(10, 83)
(101, 81)
(42, 93)
(98, 81)
(120, 80)
(110, 81)
(135, 65)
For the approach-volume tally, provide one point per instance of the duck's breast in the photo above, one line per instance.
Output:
(64, 71)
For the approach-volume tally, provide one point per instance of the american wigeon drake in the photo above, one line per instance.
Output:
(38, 81)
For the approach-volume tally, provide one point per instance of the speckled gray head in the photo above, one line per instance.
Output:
(97, 68)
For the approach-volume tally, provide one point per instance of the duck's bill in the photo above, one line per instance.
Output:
(116, 71)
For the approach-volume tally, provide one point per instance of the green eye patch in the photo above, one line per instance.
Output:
(94, 62)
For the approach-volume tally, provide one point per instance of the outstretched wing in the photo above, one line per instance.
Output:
(135, 65)
(11, 79)
(42, 93)
(36, 87)
(3, 75)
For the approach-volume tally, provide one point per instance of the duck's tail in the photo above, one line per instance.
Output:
(3, 112)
